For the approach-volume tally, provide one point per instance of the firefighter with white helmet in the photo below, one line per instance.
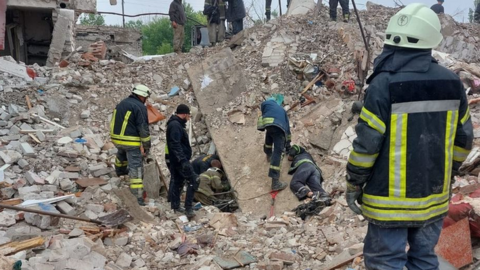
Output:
(413, 133)
(129, 132)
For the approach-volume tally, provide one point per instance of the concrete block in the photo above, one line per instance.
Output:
(33, 178)
(47, 194)
(69, 175)
(26, 190)
(76, 133)
(65, 208)
(101, 172)
(64, 140)
(7, 192)
(53, 177)
(84, 115)
(52, 188)
(124, 260)
(96, 208)
(25, 126)
(40, 135)
(66, 184)
(10, 156)
(27, 150)
(14, 130)
(22, 163)
(97, 167)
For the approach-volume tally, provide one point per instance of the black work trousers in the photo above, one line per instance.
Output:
(306, 175)
(333, 8)
(274, 147)
(180, 177)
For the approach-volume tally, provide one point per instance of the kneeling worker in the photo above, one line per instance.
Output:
(211, 183)
(307, 176)
(203, 162)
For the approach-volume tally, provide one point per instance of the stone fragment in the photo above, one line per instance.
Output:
(66, 184)
(27, 150)
(64, 140)
(7, 219)
(65, 208)
(10, 156)
(96, 208)
(273, 265)
(85, 114)
(124, 260)
(22, 163)
(33, 178)
(101, 172)
(40, 135)
(26, 190)
(76, 232)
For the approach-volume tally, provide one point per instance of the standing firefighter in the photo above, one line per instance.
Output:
(345, 9)
(215, 12)
(235, 14)
(129, 131)
(274, 120)
(179, 154)
(178, 19)
(414, 132)
(307, 176)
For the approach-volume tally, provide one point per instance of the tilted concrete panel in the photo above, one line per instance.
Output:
(218, 83)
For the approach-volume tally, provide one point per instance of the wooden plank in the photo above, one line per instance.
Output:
(34, 138)
(15, 201)
(14, 247)
(25, 131)
(342, 261)
(29, 104)
(72, 169)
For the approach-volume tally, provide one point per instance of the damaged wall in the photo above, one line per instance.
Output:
(116, 39)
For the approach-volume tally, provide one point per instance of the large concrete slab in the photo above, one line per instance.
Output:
(218, 83)
(300, 7)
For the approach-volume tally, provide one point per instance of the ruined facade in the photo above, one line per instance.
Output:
(40, 31)
(117, 39)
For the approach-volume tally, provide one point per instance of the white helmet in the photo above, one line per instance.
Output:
(141, 90)
(415, 26)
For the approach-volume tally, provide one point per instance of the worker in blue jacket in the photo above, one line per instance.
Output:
(274, 120)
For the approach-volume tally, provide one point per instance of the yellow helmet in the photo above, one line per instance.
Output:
(415, 26)
(141, 90)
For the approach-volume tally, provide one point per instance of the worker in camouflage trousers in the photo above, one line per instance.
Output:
(211, 183)
(215, 12)
(307, 176)
(274, 121)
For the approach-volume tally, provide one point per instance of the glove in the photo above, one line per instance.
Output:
(354, 194)
(288, 146)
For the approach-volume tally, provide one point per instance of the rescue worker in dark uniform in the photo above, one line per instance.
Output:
(413, 133)
(438, 7)
(345, 9)
(235, 14)
(268, 8)
(307, 176)
(274, 121)
(203, 163)
(179, 154)
(215, 12)
(129, 131)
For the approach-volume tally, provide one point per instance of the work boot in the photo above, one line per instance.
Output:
(346, 17)
(278, 185)
(189, 213)
(138, 193)
(333, 19)
(321, 197)
(179, 210)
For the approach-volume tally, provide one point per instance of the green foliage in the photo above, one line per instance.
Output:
(165, 48)
(92, 19)
(471, 11)
(138, 24)
(158, 34)
(274, 14)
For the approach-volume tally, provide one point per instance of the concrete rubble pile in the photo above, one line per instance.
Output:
(55, 150)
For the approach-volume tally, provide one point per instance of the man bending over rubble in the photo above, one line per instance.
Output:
(211, 183)
(274, 120)
(203, 162)
(307, 176)
(413, 133)
(179, 154)
(128, 131)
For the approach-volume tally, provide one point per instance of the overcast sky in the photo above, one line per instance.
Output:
(452, 7)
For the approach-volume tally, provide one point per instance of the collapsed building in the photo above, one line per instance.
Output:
(40, 31)
(55, 148)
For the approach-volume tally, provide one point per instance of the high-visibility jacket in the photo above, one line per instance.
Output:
(413, 130)
(129, 124)
(274, 115)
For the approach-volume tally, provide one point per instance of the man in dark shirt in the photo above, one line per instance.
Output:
(438, 8)
(178, 19)
(476, 15)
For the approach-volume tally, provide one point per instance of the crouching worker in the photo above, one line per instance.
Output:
(307, 176)
(210, 184)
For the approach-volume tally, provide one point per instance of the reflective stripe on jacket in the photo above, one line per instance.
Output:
(413, 130)
(274, 115)
(129, 124)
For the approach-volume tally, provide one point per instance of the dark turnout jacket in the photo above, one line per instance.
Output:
(177, 12)
(235, 10)
(178, 146)
(129, 124)
(476, 15)
(413, 131)
(202, 163)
